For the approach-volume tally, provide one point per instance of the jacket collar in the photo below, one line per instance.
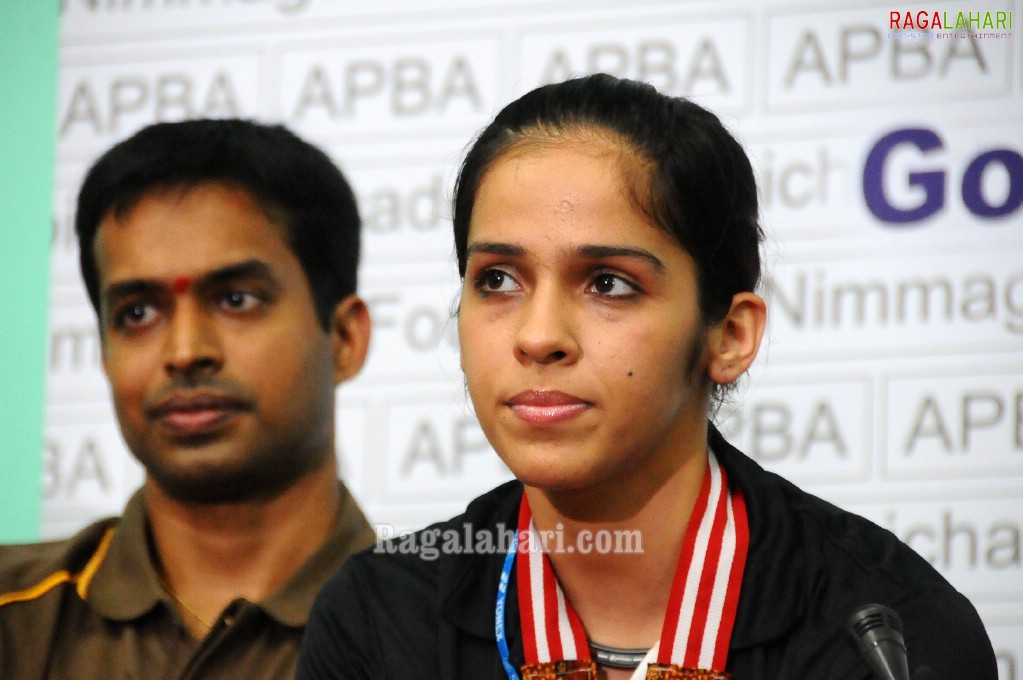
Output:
(468, 581)
(771, 601)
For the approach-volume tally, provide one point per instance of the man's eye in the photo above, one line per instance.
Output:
(612, 285)
(496, 281)
(240, 301)
(134, 316)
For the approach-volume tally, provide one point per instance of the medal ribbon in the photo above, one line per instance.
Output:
(704, 592)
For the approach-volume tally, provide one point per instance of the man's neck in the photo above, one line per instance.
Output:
(213, 554)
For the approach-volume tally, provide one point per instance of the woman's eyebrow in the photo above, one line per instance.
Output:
(605, 252)
(592, 252)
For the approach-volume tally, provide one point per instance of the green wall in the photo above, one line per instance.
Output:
(28, 81)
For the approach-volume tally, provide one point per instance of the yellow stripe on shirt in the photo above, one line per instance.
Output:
(82, 579)
(92, 566)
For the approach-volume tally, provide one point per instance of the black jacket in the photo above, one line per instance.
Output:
(810, 566)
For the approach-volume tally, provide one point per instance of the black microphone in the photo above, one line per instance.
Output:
(877, 632)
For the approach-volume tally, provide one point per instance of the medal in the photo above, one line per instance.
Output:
(656, 671)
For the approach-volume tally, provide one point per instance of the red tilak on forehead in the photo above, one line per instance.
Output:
(182, 284)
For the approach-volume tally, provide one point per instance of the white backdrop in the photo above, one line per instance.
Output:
(892, 179)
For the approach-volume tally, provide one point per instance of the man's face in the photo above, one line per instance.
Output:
(222, 378)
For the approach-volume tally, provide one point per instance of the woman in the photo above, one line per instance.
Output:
(608, 243)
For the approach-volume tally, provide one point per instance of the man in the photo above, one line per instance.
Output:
(220, 256)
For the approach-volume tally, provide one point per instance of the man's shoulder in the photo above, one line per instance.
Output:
(28, 566)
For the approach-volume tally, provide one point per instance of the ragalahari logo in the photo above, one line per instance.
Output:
(934, 24)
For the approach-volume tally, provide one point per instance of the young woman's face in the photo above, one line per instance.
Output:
(581, 338)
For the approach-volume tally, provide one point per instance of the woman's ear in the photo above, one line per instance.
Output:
(733, 342)
(350, 333)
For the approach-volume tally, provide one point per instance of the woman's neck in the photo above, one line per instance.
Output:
(617, 548)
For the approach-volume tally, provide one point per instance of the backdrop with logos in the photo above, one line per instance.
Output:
(888, 141)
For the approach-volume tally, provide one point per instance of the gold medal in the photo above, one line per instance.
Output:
(576, 669)
(657, 671)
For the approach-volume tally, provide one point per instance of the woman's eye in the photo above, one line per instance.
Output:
(239, 301)
(496, 281)
(612, 285)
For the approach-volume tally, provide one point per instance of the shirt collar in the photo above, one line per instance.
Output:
(127, 584)
(291, 603)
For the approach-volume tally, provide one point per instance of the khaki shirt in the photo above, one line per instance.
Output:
(92, 607)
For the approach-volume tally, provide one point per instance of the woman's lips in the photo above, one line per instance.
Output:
(547, 407)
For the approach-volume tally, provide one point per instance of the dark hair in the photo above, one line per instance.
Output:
(293, 182)
(700, 189)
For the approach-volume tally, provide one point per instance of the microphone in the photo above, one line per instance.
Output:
(877, 632)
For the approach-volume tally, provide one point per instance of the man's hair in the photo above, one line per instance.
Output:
(699, 187)
(294, 183)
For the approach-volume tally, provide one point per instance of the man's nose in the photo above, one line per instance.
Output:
(193, 343)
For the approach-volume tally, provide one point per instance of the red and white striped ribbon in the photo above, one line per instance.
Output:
(704, 594)
(551, 629)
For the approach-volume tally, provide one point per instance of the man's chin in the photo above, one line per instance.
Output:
(214, 485)
(221, 471)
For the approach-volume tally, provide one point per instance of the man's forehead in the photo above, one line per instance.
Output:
(179, 235)
(222, 194)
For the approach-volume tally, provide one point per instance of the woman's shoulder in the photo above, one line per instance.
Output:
(410, 595)
(407, 565)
